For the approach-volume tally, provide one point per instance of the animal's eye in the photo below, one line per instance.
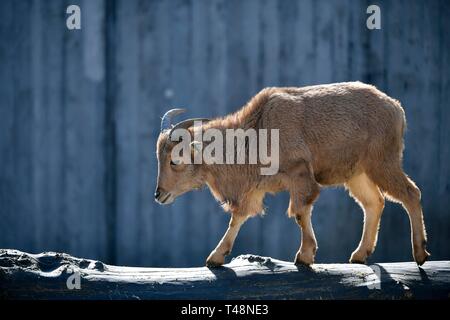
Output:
(175, 163)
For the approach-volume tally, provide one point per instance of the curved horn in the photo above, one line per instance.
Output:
(186, 124)
(166, 120)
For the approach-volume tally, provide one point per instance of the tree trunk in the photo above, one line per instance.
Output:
(51, 275)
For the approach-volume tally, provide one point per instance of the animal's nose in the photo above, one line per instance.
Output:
(157, 193)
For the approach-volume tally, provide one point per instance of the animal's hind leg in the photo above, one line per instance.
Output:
(369, 197)
(398, 187)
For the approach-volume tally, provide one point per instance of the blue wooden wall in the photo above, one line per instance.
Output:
(80, 114)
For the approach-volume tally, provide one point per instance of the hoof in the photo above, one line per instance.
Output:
(421, 257)
(357, 261)
(304, 259)
(213, 264)
(359, 257)
(215, 260)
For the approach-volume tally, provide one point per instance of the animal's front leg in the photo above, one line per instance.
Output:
(217, 256)
(303, 194)
(308, 247)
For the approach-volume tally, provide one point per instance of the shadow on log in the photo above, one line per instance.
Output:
(46, 276)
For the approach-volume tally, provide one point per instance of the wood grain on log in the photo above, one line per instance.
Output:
(45, 275)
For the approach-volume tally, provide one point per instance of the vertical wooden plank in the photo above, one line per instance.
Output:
(342, 37)
(7, 210)
(126, 117)
(90, 132)
(74, 127)
(305, 38)
(440, 216)
(288, 11)
(37, 118)
(110, 137)
(15, 145)
(51, 160)
(323, 12)
(238, 86)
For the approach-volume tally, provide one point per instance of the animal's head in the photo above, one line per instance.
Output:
(175, 177)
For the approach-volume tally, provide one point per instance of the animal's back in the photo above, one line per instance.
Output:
(344, 125)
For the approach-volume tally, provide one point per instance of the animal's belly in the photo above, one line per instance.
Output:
(336, 171)
(328, 178)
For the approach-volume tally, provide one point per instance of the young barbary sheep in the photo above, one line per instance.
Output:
(347, 134)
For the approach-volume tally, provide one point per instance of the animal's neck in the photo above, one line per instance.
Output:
(226, 182)
(216, 184)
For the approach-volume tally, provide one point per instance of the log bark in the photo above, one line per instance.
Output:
(45, 276)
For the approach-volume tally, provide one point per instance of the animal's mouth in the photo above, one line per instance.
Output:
(165, 198)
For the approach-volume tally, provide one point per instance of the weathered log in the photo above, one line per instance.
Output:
(45, 276)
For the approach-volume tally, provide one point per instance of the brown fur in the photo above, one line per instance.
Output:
(347, 134)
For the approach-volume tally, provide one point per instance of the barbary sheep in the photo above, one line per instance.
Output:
(348, 134)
